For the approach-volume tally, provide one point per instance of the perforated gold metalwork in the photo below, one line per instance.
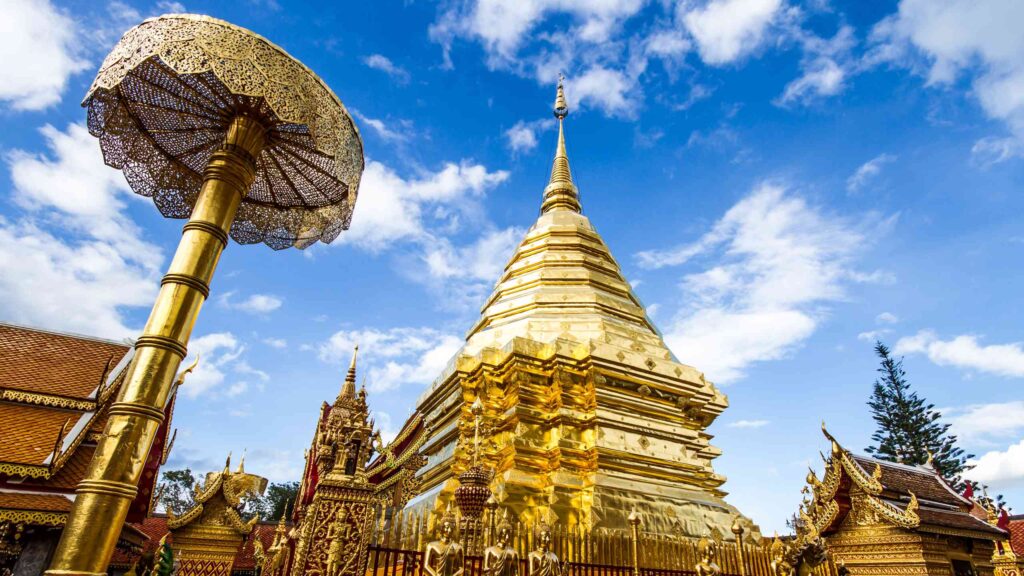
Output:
(165, 96)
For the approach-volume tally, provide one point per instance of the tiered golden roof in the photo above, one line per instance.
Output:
(589, 413)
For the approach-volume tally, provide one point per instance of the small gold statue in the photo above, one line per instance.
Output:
(338, 534)
(707, 550)
(501, 559)
(544, 562)
(444, 557)
(780, 565)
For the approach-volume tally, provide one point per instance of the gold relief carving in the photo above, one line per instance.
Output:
(47, 400)
(24, 470)
(33, 517)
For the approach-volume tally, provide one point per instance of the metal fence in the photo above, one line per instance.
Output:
(398, 538)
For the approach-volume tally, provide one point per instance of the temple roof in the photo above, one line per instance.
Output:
(1017, 534)
(910, 497)
(54, 363)
(55, 391)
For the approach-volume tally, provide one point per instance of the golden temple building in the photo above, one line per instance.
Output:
(881, 518)
(587, 415)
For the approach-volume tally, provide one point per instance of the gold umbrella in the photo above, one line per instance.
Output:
(216, 124)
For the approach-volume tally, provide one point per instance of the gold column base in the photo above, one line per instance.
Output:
(111, 483)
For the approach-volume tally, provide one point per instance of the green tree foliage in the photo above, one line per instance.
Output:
(276, 500)
(909, 429)
(280, 497)
(177, 490)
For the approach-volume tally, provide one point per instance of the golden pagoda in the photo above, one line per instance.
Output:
(587, 414)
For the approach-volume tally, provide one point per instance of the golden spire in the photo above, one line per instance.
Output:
(560, 192)
(348, 389)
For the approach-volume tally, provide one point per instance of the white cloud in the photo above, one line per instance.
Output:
(977, 38)
(253, 304)
(990, 151)
(279, 343)
(967, 353)
(393, 209)
(501, 25)
(392, 358)
(522, 137)
(481, 260)
(748, 424)
(216, 352)
(887, 318)
(385, 65)
(380, 128)
(873, 335)
(606, 89)
(983, 423)
(777, 261)
(867, 172)
(728, 30)
(999, 469)
(39, 44)
(220, 354)
(75, 236)
(826, 65)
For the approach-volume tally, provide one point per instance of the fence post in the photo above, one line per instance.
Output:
(634, 523)
(737, 529)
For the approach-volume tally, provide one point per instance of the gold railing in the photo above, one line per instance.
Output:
(397, 537)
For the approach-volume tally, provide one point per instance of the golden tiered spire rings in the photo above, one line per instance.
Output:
(561, 193)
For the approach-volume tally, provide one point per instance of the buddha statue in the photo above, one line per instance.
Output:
(780, 565)
(444, 557)
(501, 559)
(544, 562)
(707, 549)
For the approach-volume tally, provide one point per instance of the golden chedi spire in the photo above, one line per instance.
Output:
(348, 389)
(560, 192)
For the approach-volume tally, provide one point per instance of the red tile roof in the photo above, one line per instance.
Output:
(1017, 534)
(52, 363)
(902, 479)
(29, 432)
(27, 501)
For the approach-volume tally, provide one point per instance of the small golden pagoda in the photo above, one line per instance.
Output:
(587, 414)
(207, 538)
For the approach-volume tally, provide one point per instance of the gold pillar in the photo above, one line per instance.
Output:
(737, 529)
(111, 483)
(634, 532)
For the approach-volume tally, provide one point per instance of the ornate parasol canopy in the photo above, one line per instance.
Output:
(164, 98)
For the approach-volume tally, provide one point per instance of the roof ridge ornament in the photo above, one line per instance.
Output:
(561, 193)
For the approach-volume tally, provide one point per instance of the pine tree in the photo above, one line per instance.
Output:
(909, 430)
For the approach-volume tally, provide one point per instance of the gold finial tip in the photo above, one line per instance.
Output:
(561, 107)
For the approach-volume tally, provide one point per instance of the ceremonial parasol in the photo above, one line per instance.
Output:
(220, 126)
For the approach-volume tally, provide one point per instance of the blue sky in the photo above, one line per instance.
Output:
(782, 181)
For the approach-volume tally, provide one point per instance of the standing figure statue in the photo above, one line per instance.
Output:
(780, 564)
(544, 562)
(444, 557)
(338, 534)
(707, 549)
(501, 559)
